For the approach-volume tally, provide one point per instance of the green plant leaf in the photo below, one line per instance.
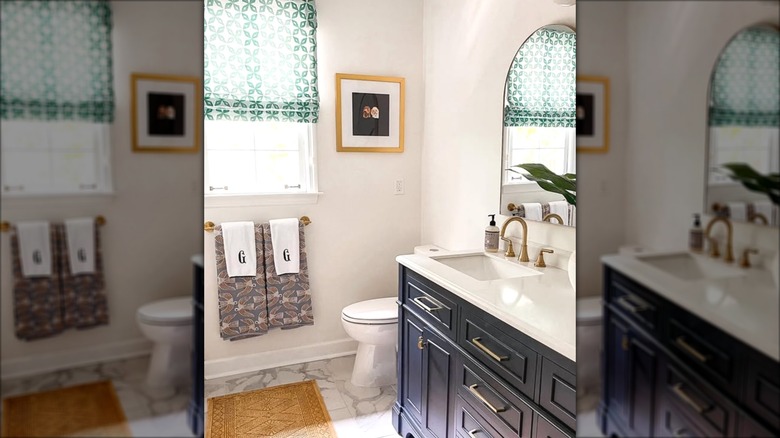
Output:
(565, 185)
(754, 181)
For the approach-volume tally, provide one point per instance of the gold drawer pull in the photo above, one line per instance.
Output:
(472, 433)
(473, 390)
(680, 341)
(679, 392)
(631, 305)
(420, 343)
(429, 309)
(481, 346)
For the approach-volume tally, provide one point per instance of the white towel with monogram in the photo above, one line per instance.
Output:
(34, 248)
(738, 211)
(240, 248)
(285, 240)
(561, 208)
(80, 235)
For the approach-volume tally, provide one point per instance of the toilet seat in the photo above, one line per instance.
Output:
(589, 311)
(170, 312)
(381, 311)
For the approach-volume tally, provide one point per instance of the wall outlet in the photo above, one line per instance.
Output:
(398, 187)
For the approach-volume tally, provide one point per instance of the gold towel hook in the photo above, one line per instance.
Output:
(208, 226)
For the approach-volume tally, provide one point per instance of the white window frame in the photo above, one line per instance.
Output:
(307, 194)
(514, 183)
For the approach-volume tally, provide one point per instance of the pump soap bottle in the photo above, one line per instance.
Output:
(696, 236)
(491, 235)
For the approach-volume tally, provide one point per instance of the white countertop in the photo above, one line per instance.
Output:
(541, 306)
(747, 307)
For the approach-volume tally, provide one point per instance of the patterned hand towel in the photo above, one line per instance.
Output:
(84, 302)
(37, 305)
(242, 300)
(289, 300)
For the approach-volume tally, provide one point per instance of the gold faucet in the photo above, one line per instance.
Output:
(729, 256)
(509, 250)
(549, 216)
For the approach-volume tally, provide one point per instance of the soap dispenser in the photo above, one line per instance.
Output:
(491, 235)
(696, 236)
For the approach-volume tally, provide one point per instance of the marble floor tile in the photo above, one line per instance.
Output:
(139, 403)
(355, 411)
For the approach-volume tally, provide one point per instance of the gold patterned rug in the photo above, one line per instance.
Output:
(92, 409)
(295, 410)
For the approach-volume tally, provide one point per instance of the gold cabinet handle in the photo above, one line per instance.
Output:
(481, 346)
(473, 390)
(630, 305)
(472, 433)
(684, 396)
(625, 344)
(420, 343)
(427, 308)
(680, 341)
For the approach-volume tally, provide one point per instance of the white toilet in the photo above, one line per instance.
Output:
(374, 324)
(589, 335)
(168, 324)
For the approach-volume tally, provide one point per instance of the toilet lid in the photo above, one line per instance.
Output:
(589, 309)
(378, 311)
(174, 311)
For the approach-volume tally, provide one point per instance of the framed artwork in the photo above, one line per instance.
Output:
(369, 113)
(592, 114)
(166, 113)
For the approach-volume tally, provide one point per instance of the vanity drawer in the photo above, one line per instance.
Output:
(707, 410)
(545, 429)
(430, 303)
(468, 423)
(558, 394)
(763, 389)
(705, 349)
(506, 356)
(632, 300)
(505, 411)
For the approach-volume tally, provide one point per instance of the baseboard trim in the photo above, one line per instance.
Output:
(75, 357)
(278, 358)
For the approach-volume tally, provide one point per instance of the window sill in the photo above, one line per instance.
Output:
(55, 196)
(214, 201)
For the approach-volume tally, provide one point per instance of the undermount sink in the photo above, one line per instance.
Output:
(691, 267)
(485, 268)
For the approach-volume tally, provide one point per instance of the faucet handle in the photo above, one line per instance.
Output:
(744, 261)
(714, 251)
(510, 251)
(540, 260)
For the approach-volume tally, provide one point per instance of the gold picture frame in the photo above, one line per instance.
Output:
(166, 113)
(369, 113)
(592, 114)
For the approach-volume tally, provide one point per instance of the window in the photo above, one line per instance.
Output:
(57, 99)
(553, 147)
(261, 102)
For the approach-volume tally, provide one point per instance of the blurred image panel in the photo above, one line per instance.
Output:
(678, 249)
(102, 176)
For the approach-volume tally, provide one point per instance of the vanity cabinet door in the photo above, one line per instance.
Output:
(412, 367)
(438, 362)
(763, 389)
(629, 376)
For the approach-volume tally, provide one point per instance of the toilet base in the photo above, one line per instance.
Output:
(169, 366)
(375, 366)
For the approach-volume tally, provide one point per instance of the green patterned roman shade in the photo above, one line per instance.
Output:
(541, 86)
(56, 61)
(745, 88)
(260, 60)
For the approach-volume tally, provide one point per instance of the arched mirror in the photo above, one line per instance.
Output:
(743, 120)
(539, 129)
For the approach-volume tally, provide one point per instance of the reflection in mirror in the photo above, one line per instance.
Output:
(743, 121)
(539, 124)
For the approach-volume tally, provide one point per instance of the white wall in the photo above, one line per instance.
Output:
(153, 219)
(469, 47)
(601, 51)
(358, 225)
(673, 47)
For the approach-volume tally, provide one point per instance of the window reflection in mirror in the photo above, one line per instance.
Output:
(539, 123)
(743, 119)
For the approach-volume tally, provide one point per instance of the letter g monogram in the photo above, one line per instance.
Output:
(241, 257)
